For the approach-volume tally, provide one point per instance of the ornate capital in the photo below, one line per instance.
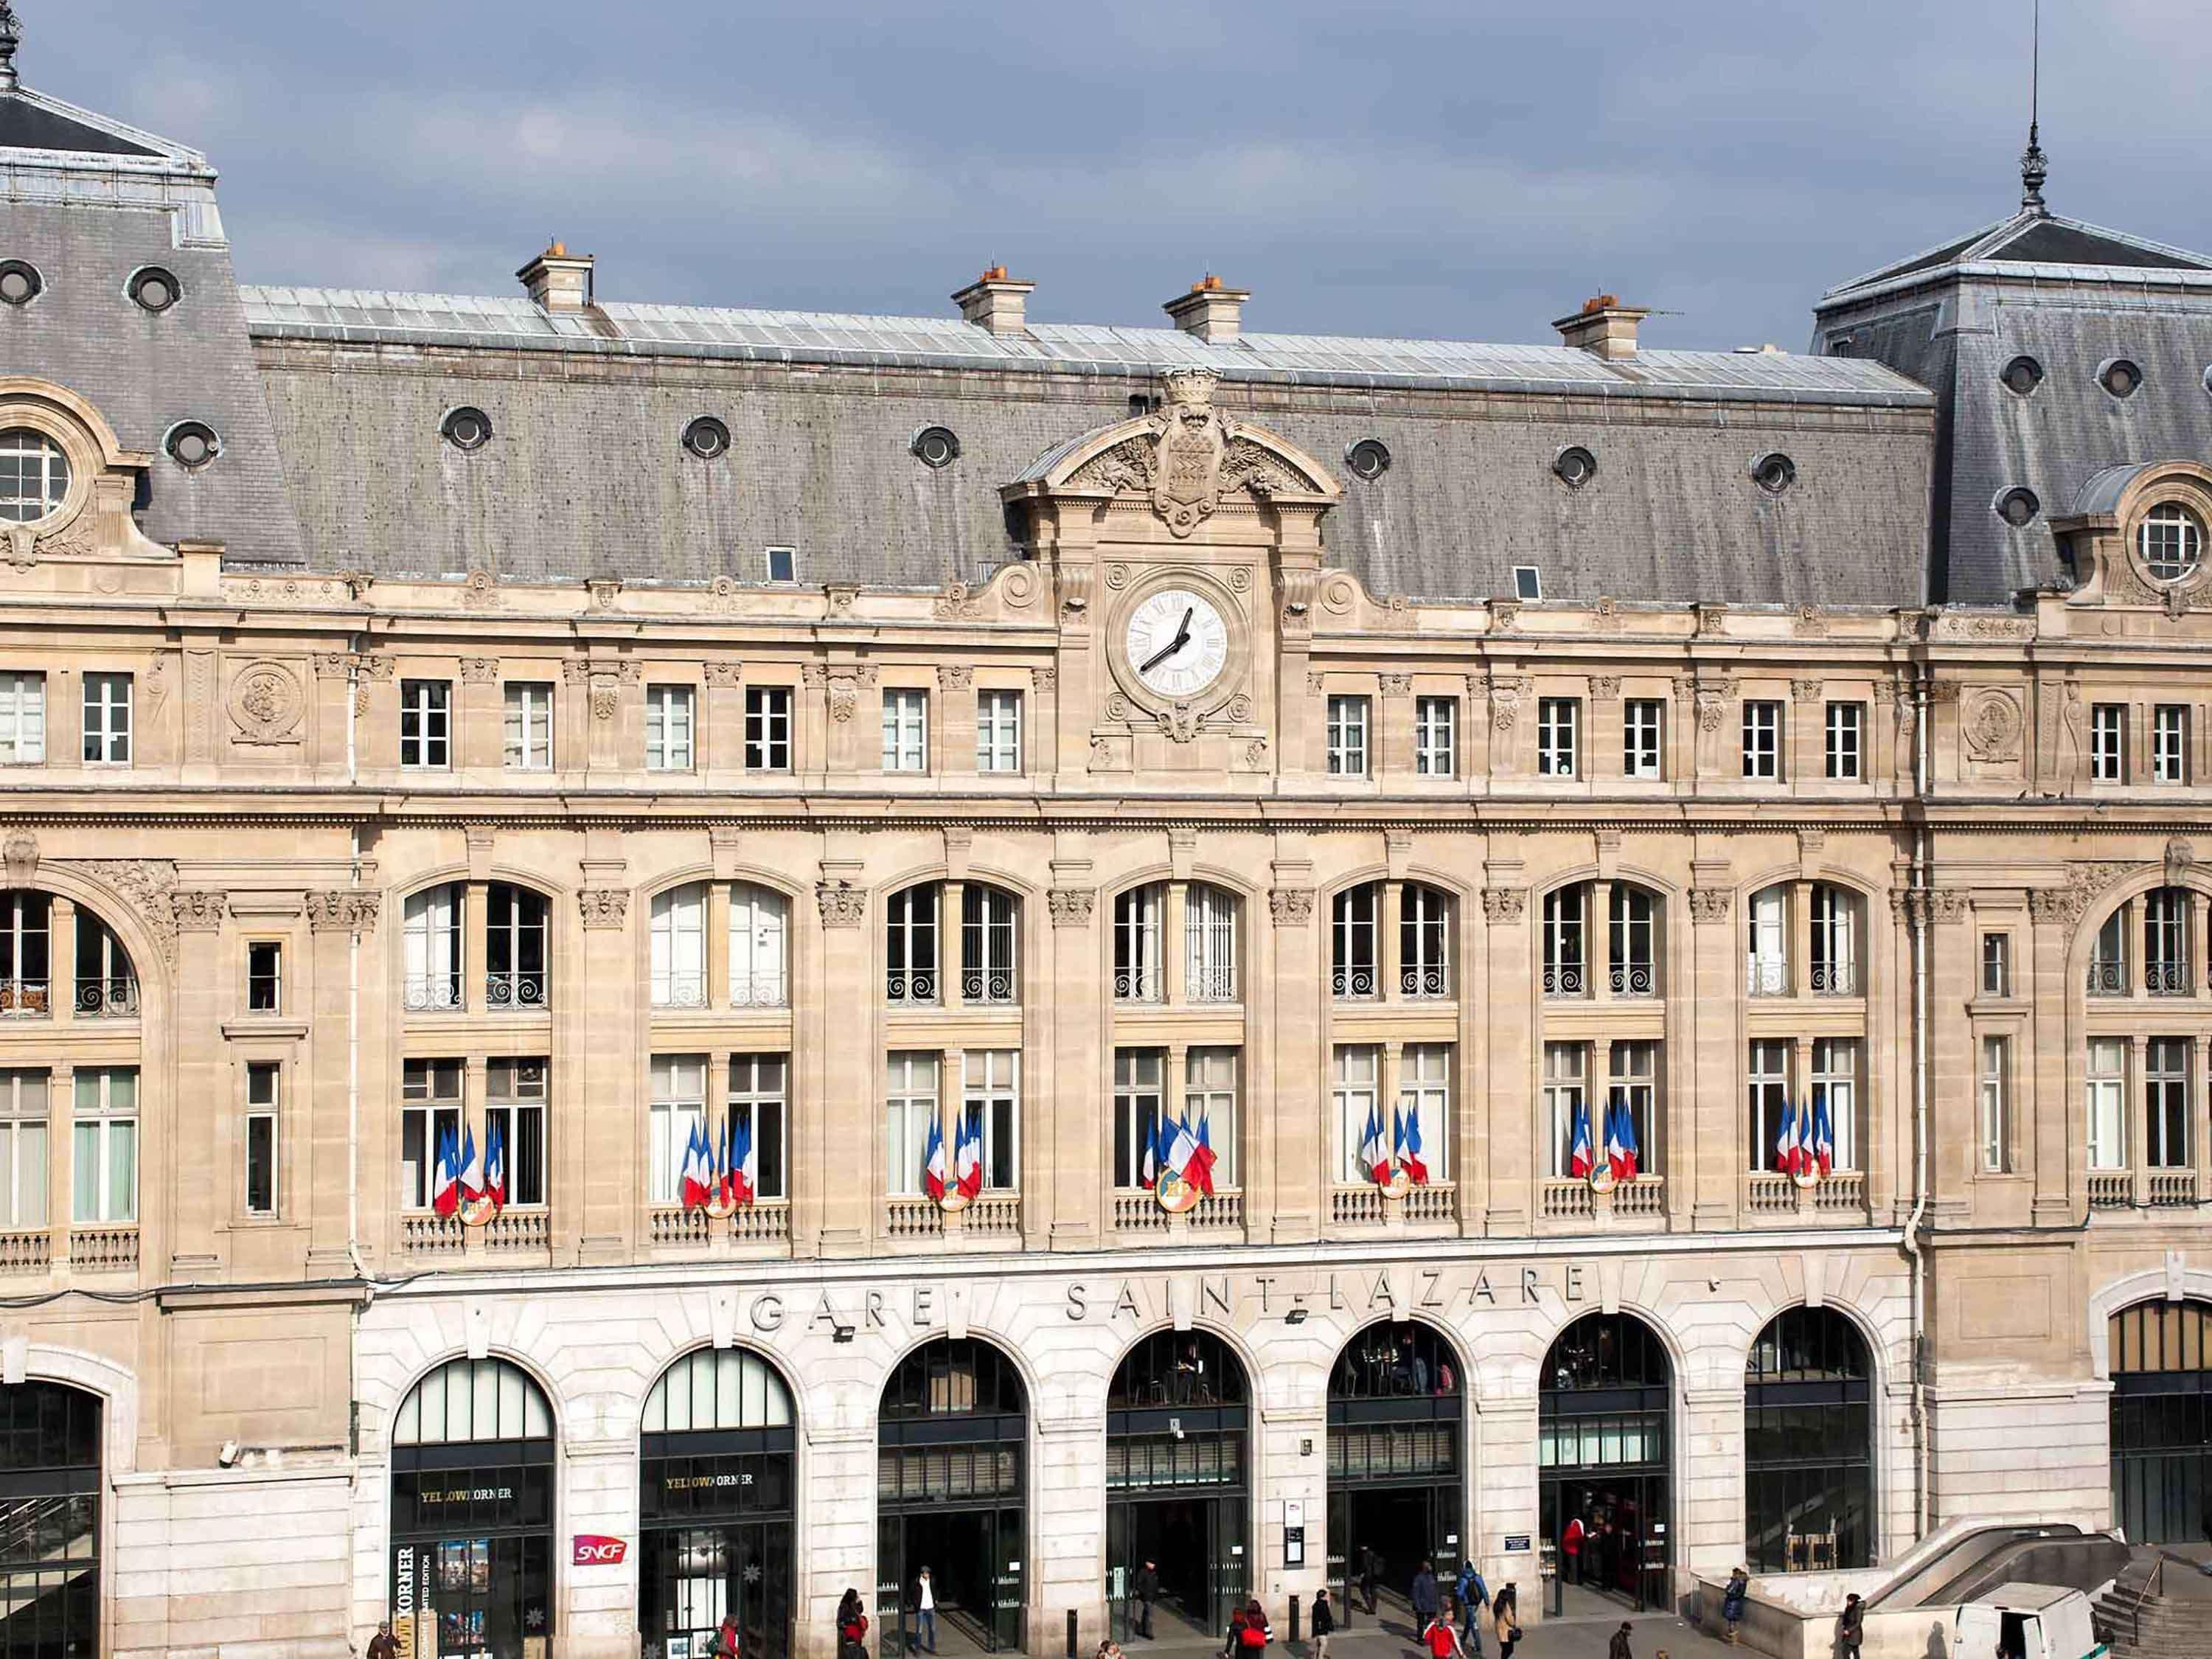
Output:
(1291, 907)
(333, 664)
(479, 671)
(1946, 903)
(197, 912)
(727, 675)
(1397, 685)
(1505, 904)
(604, 907)
(2062, 905)
(1604, 688)
(1709, 905)
(1806, 690)
(1045, 680)
(1071, 907)
(955, 677)
(842, 904)
(577, 671)
(342, 911)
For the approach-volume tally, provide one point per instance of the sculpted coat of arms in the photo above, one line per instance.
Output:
(1186, 472)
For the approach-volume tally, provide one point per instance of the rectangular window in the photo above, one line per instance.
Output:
(1424, 1099)
(1762, 740)
(760, 1100)
(23, 1150)
(263, 1081)
(106, 1154)
(768, 728)
(1557, 722)
(1209, 1096)
(1643, 724)
(2169, 743)
(431, 948)
(781, 563)
(992, 1095)
(1436, 736)
(2107, 1107)
(1566, 1079)
(265, 977)
(1634, 1082)
(1768, 1077)
(108, 720)
(678, 940)
(529, 740)
(1138, 975)
(1138, 1092)
(23, 719)
(1357, 1080)
(906, 731)
(1209, 936)
(910, 1110)
(429, 1111)
(677, 1108)
(1835, 1085)
(1997, 965)
(514, 1101)
(1528, 582)
(1765, 954)
(669, 728)
(2166, 1103)
(998, 731)
(1846, 729)
(425, 725)
(2108, 743)
(1995, 1063)
(1348, 737)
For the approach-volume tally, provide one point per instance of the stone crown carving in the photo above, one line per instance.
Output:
(604, 907)
(197, 912)
(1291, 907)
(342, 911)
(1071, 907)
(1708, 905)
(1505, 904)
(841, 903)
(1190, 457)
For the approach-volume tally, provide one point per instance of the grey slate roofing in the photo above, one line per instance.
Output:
(1954, 318)
(87, 217)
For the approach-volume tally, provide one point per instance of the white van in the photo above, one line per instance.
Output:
(2024, 1621)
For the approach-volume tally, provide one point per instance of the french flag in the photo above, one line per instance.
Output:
(1201, 1171)
(968, 1156)
(932, 1163)
(472, 1183)
(1408, 1147)
(1581, 1156)
(1148, 1175)
(1182, 1146)
(1823, 1134)
(495, 1178)
(446, 1187)
(1626, 1152)
(695, 1184)
(1370, 1148)
(744, 1167)
(1788, 1148)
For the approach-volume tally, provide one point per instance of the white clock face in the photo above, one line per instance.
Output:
(1177, 643)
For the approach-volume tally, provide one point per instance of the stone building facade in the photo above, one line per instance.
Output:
(571, 726)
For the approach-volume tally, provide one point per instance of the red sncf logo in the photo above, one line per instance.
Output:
(597, 1550)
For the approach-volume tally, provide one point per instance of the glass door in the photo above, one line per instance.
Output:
(891, 1579)
(1009, 1607)
(1228, 1574)
(1339, 1565)
(1119, 1571)
(1445, 1548)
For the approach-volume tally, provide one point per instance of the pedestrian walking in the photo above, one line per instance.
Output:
(1257, 1632)
(1505, 1618)
(1473, 1596)
(381, 1645)
(1234, 1639)
(726, 1637)
(1425, 1595)
(924, 1610)
(1146, 1588)
(1850, 1628)
(852, 1627)
(1324, 1623)
(1370, 1573)
(1438, 1637)
(1571, 1546)
(1732, 1600)
(1619, 1648)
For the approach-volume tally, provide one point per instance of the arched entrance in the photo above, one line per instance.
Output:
(716, 1486)
(2161, 1418)
(1395, 1428)
(50, 1485)
(1604, 1459)
(472, 1462)
(1808, 1445)
(951, 1484)
(1178, 1481)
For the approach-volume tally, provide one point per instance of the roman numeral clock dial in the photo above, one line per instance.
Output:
(1177, 643)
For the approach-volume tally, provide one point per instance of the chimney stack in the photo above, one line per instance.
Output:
(996, 303)
(1209, 311)
(1603, 325)
(559, 279)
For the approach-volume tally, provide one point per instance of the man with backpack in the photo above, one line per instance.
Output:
(1426, 1597)
(1473, 1596)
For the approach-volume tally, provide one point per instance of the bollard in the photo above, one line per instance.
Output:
(1294, 1621)
(1071, 1633)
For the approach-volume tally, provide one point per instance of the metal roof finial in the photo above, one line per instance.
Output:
(2034, 166)
(11, 36)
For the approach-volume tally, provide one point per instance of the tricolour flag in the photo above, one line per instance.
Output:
(694, 1184)
(1581, 1156)
(745, 1166)
(1632, 1151)
(932, 1163)
(1407, 1146)
(472, 1186)
(1200, 1172)
(446, 1185)
(1181, 1147)
(968, 1155)
(1788, 1146)
(1372, 1157)
(495, 1180)
(1148, 1173)
(1823, 1134)
(1615, 1149)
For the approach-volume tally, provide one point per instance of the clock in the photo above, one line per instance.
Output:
(1177, 643)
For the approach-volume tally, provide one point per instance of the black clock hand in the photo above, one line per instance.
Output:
(1164, 654)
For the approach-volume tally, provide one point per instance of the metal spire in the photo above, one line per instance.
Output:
(11, 36)
(2034, 166)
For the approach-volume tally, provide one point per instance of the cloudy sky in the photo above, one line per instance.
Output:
(1470, 170)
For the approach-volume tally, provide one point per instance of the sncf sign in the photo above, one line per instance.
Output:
(597, 1550)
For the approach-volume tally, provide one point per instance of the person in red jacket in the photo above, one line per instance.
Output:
(1571, 1546)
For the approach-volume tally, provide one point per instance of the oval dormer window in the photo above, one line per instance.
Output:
(2120, 377)
(34, 476)
(2018, 507)
(2172, 541)
(1774, 472)
(706, 438)
(20, 282)
(192, 444)
(152, 289)
(1368, 458)
(466, 428)
(936, 447)
(1575, 466)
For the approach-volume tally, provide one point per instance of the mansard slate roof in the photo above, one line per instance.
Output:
(585, 474)
(2074, 297)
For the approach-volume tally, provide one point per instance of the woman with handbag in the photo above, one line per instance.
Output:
(1505, 1619)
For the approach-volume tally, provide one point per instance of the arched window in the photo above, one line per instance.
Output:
(50, 1458)
(718, 1389)
(1209, 926)
(990, 935)
(1835, 971)
(1353, 940)
(1177, 1467)
(514, 946)
(2108, 957)
(1395, 1405)
(1178, 1368)
(1604, 1456)
(1138, 975)
(2165, 942)
(1425, 916)
(24, 962)
(106, 987)
(1566, 943)
(1632, 966)
(910, 946)
(1765, 944)
(760, 944)
(1808, 1445)
(467, 1402)
(2161, 1354)
(757, 942)
(679, 947)
(432, 934)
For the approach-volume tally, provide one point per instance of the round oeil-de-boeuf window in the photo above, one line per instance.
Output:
(34, 476)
